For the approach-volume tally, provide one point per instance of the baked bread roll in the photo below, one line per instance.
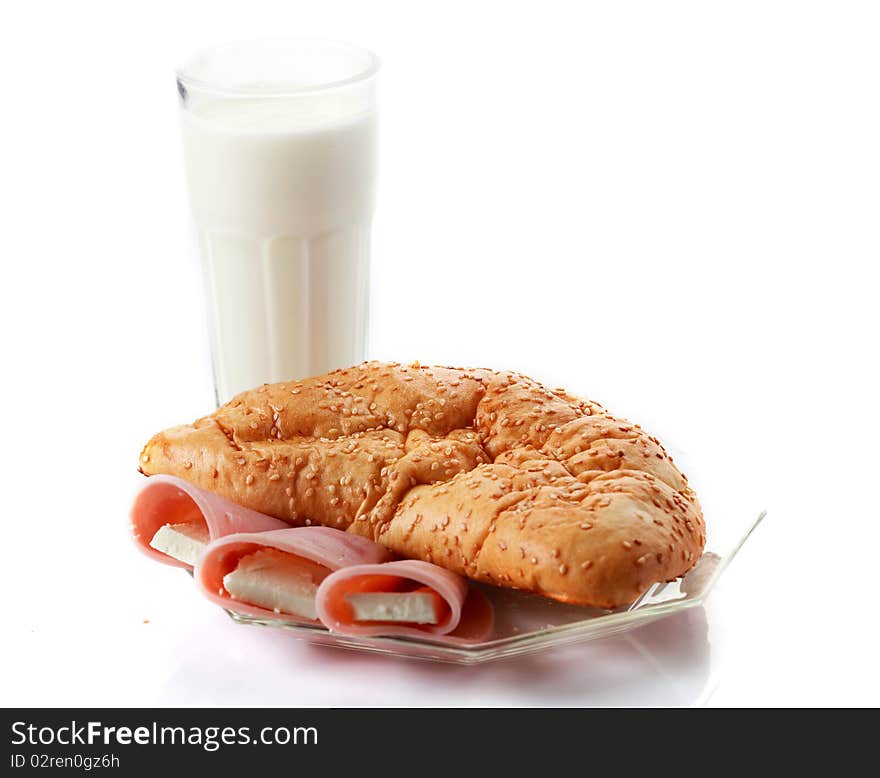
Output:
(489, 474)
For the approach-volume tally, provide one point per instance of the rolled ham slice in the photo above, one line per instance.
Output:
(281, 567)
(347, 602)
(172, 510)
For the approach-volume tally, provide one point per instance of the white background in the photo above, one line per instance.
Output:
(669, 207)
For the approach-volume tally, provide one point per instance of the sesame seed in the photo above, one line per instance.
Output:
(249, 480)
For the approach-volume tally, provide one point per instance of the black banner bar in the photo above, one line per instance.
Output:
(133, 740)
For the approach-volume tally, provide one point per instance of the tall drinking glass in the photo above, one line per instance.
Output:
(280, 147)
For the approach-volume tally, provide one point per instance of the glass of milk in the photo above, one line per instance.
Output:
(280, 147)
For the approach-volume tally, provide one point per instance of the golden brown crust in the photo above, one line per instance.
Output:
(486, 473)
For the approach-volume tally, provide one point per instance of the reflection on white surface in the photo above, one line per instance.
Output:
(663, 663)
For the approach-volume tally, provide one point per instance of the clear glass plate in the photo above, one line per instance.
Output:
(527, 624)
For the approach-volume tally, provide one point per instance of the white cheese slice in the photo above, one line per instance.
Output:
(183, 542)
(277, 581)
(412, 607)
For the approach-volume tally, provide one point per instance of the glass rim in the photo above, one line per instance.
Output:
(280, 90)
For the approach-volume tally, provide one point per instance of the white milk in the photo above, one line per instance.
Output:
(282, 192)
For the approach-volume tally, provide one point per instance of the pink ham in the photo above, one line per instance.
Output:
(165, 499)
(329, 548)
(467, 617)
